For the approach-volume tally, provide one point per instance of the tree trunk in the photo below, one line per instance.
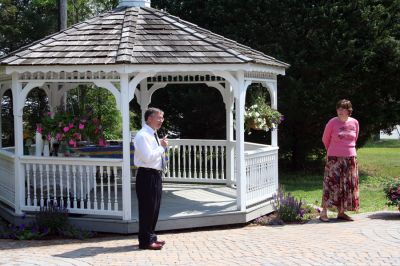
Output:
(62, 18)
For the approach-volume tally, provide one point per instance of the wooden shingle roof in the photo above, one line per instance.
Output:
(131, 35)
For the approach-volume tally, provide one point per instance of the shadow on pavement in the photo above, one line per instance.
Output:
(385, 216)
(93, 251)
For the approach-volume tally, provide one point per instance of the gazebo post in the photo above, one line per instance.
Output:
(126, 169)
(19, 145)
(240, 159)
(144, 100)
(2, 90)
(272, 88)
(230, 152)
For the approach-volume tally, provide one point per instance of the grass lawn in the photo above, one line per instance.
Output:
(378, 162)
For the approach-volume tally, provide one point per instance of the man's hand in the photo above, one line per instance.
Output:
(164, 142)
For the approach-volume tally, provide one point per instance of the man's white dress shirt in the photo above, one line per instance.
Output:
(147, 151)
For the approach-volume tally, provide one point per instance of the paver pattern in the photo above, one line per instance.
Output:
(373, 239)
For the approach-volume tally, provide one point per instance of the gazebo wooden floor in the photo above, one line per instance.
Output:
(182, 206)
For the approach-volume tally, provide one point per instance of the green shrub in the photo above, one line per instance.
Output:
(53, 217)
(289, 209)
(392, 191)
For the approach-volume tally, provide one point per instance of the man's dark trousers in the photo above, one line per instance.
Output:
(148, 191)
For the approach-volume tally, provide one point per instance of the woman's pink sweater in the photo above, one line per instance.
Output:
(340, 137)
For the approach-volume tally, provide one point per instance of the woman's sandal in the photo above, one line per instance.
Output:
(324, 218)
(344, 217)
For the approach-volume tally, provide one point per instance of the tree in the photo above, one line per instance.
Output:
(337, 49)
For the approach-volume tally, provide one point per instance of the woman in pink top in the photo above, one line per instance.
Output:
(340, 188)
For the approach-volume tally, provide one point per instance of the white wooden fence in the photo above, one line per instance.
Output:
(7, 178)
(93, 186)
(261, 172)
(199, 161)
(84, 185)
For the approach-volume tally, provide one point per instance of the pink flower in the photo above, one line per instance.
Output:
(81, 126)
(95, 120)
(398, 190)
(39, 128)
(96, 130)
(58, 137)
(48, 137)
(71, 125)
(72, 143)
(66, 129)
(49, 113)
(77, 136)
(101, 142)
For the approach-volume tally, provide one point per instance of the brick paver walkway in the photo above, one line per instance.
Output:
(373, 239)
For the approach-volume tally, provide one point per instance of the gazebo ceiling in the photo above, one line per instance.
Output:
(133, 35)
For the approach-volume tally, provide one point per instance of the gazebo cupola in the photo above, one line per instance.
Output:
(134, 3)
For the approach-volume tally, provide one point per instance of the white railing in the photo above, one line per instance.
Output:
(199, 161)
(7, 178)
(82, 185)
(261, 172)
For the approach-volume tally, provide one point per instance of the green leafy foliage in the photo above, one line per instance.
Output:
(52, 217)
(261, 116)
(289, 209)
(392, 191)
(337, 49)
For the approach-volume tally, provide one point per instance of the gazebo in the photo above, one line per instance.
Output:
(133, 51)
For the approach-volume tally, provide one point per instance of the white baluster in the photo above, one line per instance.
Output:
(211, 162)
(68, 193)
(201, 160)
(28, 185)
(41, 184)
(173, 171)
(61, 173)
(223, 152)
(205, 162)
(54, 183)
(88, 202)
(34, 185)
(109, 188)
(195, 162)
(82, 192)
(95, 206)
(115, 189)
(190, 162)
(48, 183)
(101, 189)
(217, 176)
(179, 161)
(184, 173)
(74, 186)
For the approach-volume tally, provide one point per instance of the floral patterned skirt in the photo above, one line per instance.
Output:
(340, 187)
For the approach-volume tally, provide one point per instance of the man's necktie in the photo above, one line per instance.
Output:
(164, 160)
(156, 137)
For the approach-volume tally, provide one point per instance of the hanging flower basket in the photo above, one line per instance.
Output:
(69, 128)
(260, 116)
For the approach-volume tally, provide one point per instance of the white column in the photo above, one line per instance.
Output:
(126, 171)
(240, 159)
(144, 100)
(230, 149)
(2, 90)
(274, 104)
(19, 144)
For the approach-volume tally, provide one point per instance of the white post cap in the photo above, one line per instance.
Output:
(135, 3)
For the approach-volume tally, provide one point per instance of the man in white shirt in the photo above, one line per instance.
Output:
(149, 152)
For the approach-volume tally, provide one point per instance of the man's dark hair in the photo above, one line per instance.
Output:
(151, 111)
